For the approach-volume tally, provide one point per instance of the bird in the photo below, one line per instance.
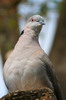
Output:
(28, 67)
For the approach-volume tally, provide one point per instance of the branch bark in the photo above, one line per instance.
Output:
(39, 94)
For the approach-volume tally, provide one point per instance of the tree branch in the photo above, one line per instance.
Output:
(39, 94)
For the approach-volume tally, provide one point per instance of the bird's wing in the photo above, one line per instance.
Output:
(52, 77)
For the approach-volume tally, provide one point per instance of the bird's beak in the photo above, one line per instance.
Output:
(42, 23)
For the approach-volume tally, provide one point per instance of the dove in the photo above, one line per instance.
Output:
(28, 67)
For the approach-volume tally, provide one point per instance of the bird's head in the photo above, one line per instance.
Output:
(35, 23)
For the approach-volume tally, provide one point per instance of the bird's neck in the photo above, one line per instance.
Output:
(31, 34)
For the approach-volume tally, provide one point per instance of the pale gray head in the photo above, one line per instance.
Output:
(35, 23)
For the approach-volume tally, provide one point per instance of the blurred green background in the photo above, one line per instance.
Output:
(13, 14)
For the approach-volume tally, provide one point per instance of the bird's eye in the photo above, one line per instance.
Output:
(32, 20)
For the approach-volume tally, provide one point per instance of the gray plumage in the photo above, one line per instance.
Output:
(28, 67)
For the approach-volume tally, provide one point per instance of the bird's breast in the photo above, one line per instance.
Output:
(25, 70)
